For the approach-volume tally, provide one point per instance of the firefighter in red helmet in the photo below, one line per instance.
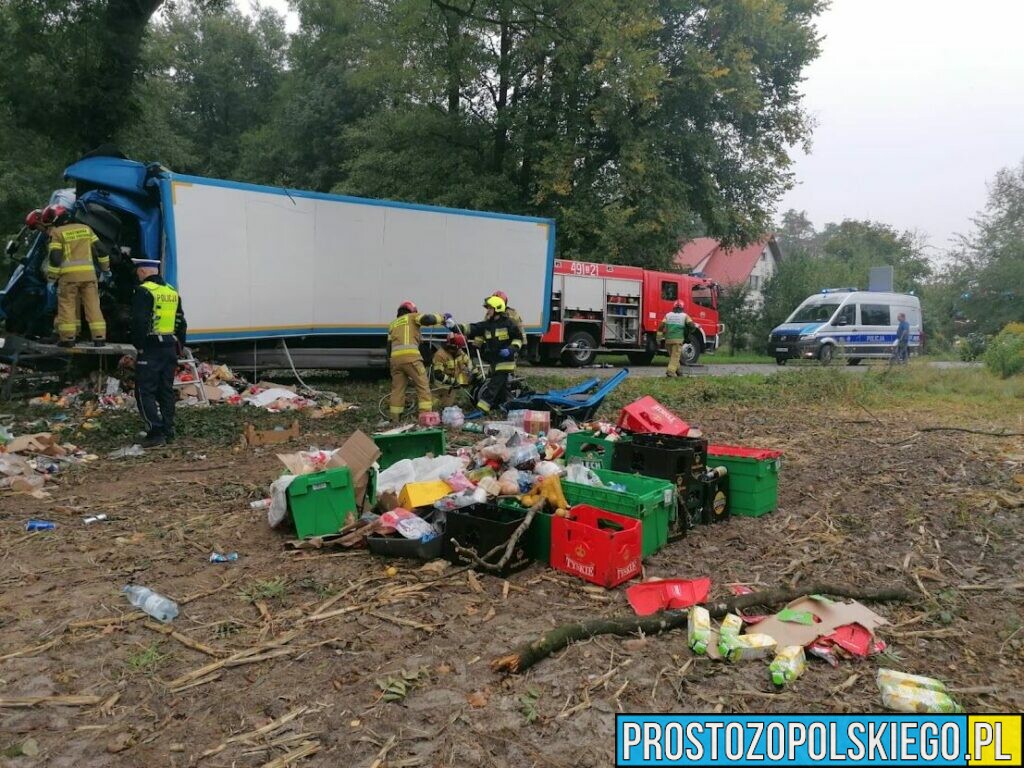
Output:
(73, 247)
(452, 368)
(405, 360)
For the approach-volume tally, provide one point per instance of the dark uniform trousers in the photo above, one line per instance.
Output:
(154, 384)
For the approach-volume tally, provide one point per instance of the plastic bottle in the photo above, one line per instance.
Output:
(94, 519)
(471, 427)
(261, 504)
(217, 557)
(156, 605)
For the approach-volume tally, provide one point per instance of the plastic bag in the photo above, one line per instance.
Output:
(278, 509)
(415, 527)
(490, 486)
(509, 481)
(457, 481)
(453, 417)
(546, 468)
(435, 468)
(396, 477)
(457, 501)
(556, 437)
(524, 456)
(579, 473)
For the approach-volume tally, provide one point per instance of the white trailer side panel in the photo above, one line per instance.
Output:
(255, 262)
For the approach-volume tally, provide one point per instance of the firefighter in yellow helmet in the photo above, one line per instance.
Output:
(512, 314)
(452, 368)
(70, 266)
(499, 340)
(405, 360)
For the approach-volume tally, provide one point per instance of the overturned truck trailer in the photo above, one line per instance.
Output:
(268, 273)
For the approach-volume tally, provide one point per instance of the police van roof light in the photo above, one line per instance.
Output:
(838, 290)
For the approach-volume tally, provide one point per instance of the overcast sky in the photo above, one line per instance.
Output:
(918, 103)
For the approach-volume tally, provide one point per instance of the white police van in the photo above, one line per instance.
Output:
(845, 322)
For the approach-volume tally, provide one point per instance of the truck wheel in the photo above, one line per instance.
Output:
(640, 358)
(691, 351)
(825, 354)
(853, 361)
(781, 360)
(583, 349)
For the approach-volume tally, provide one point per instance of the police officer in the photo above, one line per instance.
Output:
(158, 332)
(72, 249)
(500, 340)
(405, 360)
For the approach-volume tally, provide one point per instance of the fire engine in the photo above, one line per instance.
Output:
(598, 308)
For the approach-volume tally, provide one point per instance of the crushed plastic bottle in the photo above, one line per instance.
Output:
(261, 504)
(94, 519)
(156, 605)
(217, 557)
(789, 663)
(127, 453)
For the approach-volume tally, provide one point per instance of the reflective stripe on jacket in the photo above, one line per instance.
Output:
(71, 247)
(404, 335)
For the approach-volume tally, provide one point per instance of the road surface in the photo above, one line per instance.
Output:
(724, 369)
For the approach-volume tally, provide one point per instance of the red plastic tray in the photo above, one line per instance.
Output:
(739, 452)
(647, 415)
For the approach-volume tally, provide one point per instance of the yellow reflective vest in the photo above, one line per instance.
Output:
(165, 307)
(71, 254)
(404, 336)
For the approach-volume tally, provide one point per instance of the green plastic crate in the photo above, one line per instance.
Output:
(647, 499)
(537, 539)
(597, 457)
(753, 478)
(409, 445)
(320, 502)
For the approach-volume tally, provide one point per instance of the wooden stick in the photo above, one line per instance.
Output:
(264, 730)
(31, 651)
(185, 640)
(528, 654)
(269, 650)
(17, 702)
(305, 750)
(970, 431)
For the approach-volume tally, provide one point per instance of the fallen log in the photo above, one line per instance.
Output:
(528, 654)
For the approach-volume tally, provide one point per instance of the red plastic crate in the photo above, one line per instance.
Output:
(598, 546)
(647, 415)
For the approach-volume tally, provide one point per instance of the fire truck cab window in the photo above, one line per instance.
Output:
(703, 296)
(669, 291)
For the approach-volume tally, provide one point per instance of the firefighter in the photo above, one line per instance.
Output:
(70, 266)
(674, 329)
(405, 360)
(158, 333)
(452, 367)
(500, 340)
(514, 316)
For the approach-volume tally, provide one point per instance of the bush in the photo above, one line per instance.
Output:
(971, 347)
(1005, 353)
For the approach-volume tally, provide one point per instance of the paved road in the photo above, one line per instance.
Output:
(714, 370)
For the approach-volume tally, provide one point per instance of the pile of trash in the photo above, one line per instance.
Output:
(29, 462)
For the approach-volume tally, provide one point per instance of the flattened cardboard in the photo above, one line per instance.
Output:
(41, 442)
(359, 453)
(832, 615)
(254, 437)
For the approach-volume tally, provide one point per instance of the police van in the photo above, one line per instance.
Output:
(845, 322)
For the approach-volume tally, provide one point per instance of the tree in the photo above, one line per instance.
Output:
(738, 315)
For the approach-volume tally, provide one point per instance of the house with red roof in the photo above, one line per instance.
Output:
(752, 265)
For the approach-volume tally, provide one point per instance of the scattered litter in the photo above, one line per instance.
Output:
(650, 597)
(698, 629)
(39, 525)
(131, 452)
(789, 663)
(796, 617)
(94, 519)
(912, 693)
(156, 605)
(217, 557)
(830, 616)
(253, 437)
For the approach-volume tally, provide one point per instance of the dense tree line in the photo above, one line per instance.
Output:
(633, 123)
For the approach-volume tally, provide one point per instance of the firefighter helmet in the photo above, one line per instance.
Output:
(455, 340)
(493, 302)
(501, 295)
(34, 219)
(52, 214)
(406, 307)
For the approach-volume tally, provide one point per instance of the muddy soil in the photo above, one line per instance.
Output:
(863, 501)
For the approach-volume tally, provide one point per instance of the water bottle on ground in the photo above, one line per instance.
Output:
(156, 605)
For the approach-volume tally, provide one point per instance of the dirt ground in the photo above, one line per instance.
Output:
(864, 500)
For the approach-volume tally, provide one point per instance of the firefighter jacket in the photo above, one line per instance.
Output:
(675, 326)
(492, 336)
(71, 251)
(452, 367)
(404, 336)
(157, 316)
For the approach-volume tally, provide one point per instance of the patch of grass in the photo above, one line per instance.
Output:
(529, 704)
(318, 588)
(267, 589)
(726, 357)
(147, 659)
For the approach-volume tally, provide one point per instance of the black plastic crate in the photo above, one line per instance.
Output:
(663, 456)
(399, 546)
(482, 527)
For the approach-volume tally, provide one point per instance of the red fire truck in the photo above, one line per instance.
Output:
(606, 308)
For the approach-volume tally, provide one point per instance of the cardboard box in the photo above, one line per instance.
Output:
(359, 453)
